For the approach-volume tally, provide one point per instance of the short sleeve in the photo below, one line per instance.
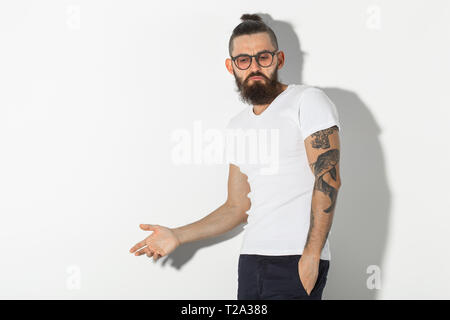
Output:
(316, 112)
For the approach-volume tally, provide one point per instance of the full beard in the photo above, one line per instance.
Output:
(260, 92)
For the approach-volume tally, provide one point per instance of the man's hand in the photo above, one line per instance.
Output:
(159, 244)
(308, 270)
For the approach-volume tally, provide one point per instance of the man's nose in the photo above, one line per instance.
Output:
(254, 66)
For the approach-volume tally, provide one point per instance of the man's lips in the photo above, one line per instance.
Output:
(256, 77)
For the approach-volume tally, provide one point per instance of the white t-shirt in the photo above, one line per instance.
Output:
(269, 148)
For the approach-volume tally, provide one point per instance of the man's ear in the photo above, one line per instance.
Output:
(228, 65)
(280, 60)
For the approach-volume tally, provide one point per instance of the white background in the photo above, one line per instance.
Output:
(91, 92)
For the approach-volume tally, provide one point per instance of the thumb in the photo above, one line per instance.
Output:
(148, 227)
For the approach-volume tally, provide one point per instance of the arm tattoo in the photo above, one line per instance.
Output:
(326, 164)
(321, 138)
(325, 172)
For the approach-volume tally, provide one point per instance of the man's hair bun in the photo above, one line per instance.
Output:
(251, 24)
(253, 17)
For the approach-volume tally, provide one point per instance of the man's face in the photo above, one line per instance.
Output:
(256, 91)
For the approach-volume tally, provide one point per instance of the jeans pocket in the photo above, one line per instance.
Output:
(321, 277)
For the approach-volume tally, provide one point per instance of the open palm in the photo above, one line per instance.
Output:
(160, 243)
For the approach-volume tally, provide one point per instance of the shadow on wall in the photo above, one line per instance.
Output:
(360, 226)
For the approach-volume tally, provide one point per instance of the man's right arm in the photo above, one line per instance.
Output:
(226, 217)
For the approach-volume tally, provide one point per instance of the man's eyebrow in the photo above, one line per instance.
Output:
(266, 50)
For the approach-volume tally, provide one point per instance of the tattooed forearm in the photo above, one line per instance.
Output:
(321, 138)
(325, 169)
(321, 219)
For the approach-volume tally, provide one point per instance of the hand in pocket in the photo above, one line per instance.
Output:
(308, 271)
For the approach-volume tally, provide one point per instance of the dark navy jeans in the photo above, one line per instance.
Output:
(263, 277)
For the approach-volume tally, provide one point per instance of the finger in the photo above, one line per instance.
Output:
(157, 254)
(157, 249)
(141, 252)
(137, 246)
(149, 252)
(147, 227)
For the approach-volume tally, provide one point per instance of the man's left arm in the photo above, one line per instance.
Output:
(322, 149)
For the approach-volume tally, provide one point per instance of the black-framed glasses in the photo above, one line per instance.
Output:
(263, 58)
